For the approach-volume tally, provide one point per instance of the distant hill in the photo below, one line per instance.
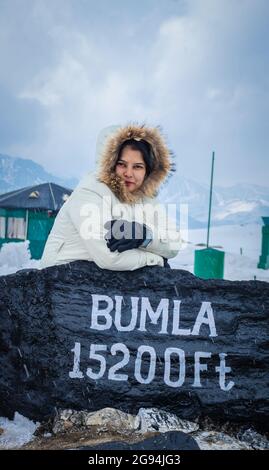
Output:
(18, 172)
(238, 204)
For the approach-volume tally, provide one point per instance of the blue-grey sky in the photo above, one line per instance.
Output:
(198, 68)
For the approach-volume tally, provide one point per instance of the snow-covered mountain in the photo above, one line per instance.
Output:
(18, 172)
(238, 204)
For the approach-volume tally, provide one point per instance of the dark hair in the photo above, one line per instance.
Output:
(144, 147)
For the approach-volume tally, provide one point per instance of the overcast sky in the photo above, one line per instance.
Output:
(199, 68)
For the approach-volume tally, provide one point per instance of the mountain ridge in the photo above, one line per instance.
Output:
(17, 172)
(242, 203)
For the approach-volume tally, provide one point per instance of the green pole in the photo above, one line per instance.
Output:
(210, 199)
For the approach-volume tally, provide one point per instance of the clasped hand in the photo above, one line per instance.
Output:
(123, 235)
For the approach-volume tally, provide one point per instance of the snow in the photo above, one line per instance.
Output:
(230, 239)
(235, 207)
(16, 432)
(16, 256)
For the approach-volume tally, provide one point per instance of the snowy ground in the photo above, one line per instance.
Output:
(17, 432)
(228, 238)
(16, 256)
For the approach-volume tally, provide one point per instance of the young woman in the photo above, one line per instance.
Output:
(113, 217)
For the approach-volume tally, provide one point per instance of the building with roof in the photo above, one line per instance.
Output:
(29, 214)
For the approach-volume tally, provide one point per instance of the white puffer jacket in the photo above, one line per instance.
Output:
(78, 232)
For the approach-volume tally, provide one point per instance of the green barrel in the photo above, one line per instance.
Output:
(264, 258)
(209, 263)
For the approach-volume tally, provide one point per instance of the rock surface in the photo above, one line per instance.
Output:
(65, 343)
(105, 429)
(171, 440)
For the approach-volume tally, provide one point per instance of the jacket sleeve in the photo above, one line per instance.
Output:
(166, 239)
(89, 219)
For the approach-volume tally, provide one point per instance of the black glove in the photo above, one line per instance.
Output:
(123, 235)
(165, 263)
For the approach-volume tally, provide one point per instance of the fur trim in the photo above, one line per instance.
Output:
(163, 165)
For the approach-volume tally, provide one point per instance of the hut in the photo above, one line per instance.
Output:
(29, 214)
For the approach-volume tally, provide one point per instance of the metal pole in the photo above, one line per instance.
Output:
(210, 199)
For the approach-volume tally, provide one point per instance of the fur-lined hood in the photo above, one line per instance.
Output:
(163, 165)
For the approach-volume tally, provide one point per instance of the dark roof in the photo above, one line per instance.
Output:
(48, 196)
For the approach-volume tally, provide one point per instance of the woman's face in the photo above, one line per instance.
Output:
(131, 168)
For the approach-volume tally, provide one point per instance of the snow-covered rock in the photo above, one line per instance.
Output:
(153, 419)
(218, 441)
(107, 420)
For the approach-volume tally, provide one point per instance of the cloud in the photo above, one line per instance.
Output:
(199, 71)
